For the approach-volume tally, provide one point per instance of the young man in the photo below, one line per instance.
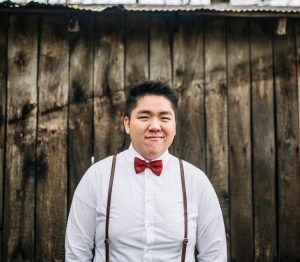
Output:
(158, 210)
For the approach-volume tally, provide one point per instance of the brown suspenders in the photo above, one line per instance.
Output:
(111, 181)
(185, 239)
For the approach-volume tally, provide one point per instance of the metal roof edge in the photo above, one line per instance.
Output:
(191, 8)
(213, 8)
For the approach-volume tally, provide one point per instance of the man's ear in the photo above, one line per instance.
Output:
(126, 124)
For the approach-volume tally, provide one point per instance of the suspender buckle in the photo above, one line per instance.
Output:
(185, 241)
(106, 241)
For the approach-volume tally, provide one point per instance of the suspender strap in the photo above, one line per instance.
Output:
(185, 239)
(111, 181)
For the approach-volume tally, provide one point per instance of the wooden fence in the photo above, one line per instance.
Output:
(62, 89)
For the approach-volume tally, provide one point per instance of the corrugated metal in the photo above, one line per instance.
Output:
(285, 3)
(108, 2)
(130, 5)
(266, 2)
(214, 7)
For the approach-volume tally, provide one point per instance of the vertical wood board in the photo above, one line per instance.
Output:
(109, 85)
(19, 201)
(238, 75)
(136, 49)
(216, 112)
(3, 81)
(264, 174)
(188, 72)
(287, 124)
(80, 102)
(160, 49)
(136, 52)
(297, 31)
(51, 206)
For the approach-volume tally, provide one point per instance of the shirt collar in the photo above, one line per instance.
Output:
(132, 153)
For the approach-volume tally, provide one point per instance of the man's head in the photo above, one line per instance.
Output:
(150, 118)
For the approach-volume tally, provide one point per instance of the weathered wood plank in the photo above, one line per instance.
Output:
(109, 85)
(188, 72)
(297, 31)
(160, 49)
(264, 174)
(238, 77)
(51, 197)
(19, 201)
(137, 62)
(216, 112)
(136, 52)
(3, 78)
(80, 101)
(287, 141)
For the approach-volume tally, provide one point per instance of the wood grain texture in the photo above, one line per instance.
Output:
(287, 124)
(297, 31)
(109, 85)
(51, 197)
(238, 75)
(21, 139)
(264, 174)
(137, 60)
(3, 83)
(174, 50)
(136, 52)
(216, 112)
(80, 102)
(188, 75)
(160, 50)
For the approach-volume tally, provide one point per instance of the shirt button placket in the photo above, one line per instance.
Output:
(148, 215)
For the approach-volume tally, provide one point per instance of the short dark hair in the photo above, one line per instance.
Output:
(150, 88)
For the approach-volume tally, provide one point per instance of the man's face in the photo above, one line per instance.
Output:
(152, 126)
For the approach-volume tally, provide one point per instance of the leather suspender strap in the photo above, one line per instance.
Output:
(111, 181)
(185, 239)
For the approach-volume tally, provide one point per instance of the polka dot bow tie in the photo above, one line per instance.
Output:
(155, 166)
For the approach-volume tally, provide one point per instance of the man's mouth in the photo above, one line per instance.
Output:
(154, 137)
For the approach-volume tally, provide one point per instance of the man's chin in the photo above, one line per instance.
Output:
(153, 154)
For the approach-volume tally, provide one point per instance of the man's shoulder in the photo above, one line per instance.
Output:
(102, 163)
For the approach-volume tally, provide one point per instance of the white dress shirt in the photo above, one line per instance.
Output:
(146, 215)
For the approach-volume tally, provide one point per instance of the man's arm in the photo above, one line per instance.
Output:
(81, 227)
(211, 238)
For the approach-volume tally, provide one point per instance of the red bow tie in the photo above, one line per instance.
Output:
(140, 165)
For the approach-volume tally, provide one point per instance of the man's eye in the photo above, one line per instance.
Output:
(166, 119)
(142, 117)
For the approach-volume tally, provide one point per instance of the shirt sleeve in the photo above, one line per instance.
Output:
(81, 226)
(211, 237)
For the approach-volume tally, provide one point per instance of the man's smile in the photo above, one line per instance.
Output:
(154, 137)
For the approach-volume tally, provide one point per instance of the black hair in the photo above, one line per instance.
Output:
(150, 88)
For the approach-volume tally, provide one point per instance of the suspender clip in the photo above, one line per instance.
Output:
(185, 241)
(106, 241)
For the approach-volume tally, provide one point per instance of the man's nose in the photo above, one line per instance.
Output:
(154, 125)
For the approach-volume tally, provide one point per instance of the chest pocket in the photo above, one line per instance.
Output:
(175, 220)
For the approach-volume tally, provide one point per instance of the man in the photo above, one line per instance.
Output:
(144, 195)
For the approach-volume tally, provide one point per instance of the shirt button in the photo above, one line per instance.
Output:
(147, 249)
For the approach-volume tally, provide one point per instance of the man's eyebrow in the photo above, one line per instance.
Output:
(148, 112)
(166, 113)
(143, 111)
